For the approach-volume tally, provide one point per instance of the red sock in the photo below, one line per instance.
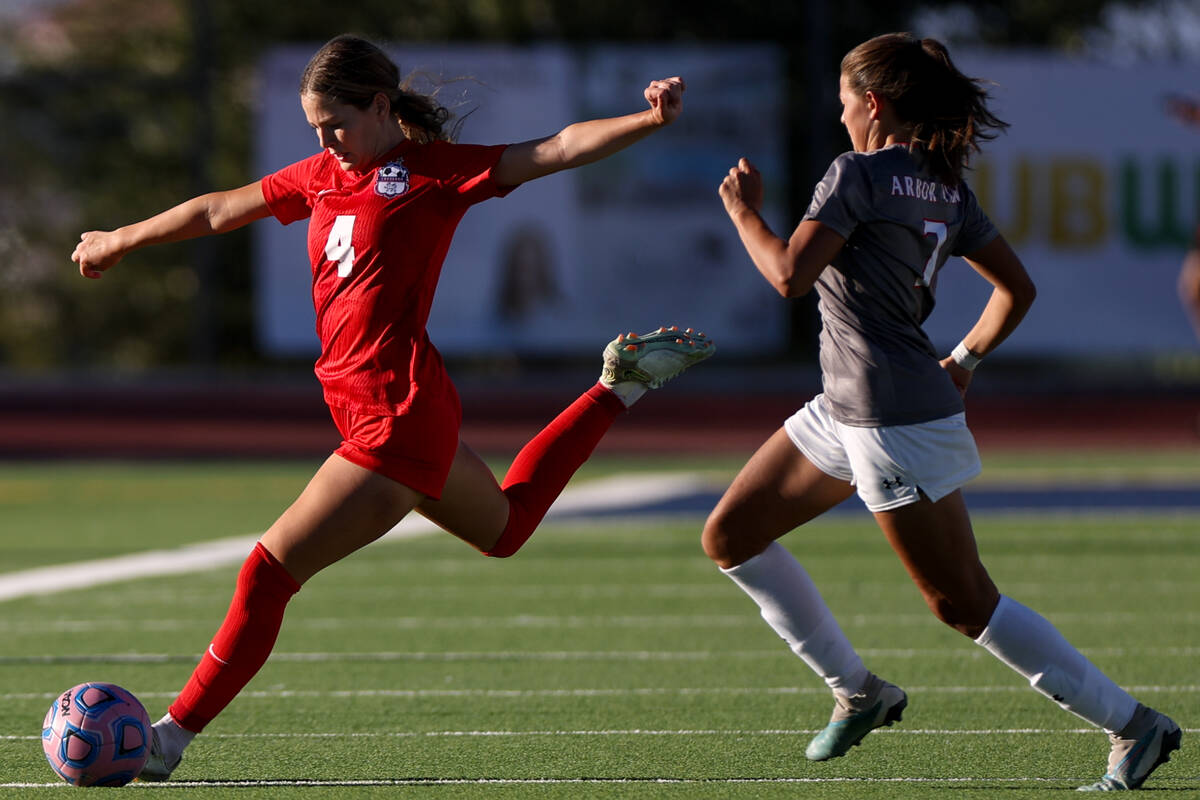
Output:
(242, 643)
(543, 467)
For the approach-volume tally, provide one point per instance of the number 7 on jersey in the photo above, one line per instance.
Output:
(933, 227)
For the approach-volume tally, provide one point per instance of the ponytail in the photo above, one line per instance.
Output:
(421, 116)
(947, 110)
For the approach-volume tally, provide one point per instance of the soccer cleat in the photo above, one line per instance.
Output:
(654, 358)
(157, 769)
(876, 705)
(1148, 740)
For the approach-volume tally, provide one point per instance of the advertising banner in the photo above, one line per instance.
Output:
(564, 263)
(1097, 188)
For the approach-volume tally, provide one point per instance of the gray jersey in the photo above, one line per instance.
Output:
(878, 366)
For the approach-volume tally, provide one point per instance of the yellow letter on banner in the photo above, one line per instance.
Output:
(1078, 194)
(1018, 226)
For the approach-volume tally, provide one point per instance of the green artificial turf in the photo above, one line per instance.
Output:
(608, 659)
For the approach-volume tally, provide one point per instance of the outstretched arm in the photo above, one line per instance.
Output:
(585, 142)
(215, 212)
(791, 267)
(1012, 295)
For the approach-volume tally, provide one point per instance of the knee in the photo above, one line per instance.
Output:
(715, 539)
(725, 547)
(968, 612)
(953, 616)
(712, 537)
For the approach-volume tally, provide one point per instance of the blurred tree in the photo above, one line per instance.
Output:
(117, 109)
(98, 134)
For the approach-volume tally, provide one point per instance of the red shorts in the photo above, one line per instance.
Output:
(416, 448)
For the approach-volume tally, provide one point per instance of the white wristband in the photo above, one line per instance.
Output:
(964, 357)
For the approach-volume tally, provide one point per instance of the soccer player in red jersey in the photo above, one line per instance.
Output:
(383, 197)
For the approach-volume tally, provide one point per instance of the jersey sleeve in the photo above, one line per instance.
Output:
(289, 192)
(465, 170)
(977, 229)
(842, 196)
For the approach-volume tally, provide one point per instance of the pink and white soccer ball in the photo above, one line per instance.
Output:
(96, 734)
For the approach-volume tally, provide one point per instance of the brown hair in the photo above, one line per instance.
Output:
(948, 110)
(352, 70)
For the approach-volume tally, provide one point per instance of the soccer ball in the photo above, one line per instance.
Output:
(96, 734)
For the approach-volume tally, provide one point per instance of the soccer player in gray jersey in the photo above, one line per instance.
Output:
(889, 422)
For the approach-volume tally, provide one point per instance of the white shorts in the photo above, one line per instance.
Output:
(890, 466)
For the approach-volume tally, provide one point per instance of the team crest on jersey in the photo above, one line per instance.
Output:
(392, 179)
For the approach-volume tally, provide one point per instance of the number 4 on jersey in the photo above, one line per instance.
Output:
(338, 247)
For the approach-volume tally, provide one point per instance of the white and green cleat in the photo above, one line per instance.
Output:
(878, 704)
(652, 359)
(1145, 743)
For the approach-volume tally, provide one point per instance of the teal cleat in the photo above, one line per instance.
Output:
(877, 704)
(654, 358)
(1137, 750)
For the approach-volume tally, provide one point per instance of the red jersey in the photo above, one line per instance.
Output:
(377, 240)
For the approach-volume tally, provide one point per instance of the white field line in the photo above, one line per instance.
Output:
(277, 735)
(529, 621)
(572, 655)
(626, 491)
(522, 694)
(700, 589)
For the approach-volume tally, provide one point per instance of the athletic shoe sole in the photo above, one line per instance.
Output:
(654, 358)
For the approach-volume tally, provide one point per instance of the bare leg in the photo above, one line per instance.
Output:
(777, 491)
(937, 547)
(499, 519)
(343, 508)
(472, 506)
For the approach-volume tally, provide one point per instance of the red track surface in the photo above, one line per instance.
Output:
(179, 422)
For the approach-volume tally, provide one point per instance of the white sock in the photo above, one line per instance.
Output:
(629, 391)
(794, 608)
(172, 738)
(1027, 642)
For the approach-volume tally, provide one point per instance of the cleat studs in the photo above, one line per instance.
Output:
(631, 348)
